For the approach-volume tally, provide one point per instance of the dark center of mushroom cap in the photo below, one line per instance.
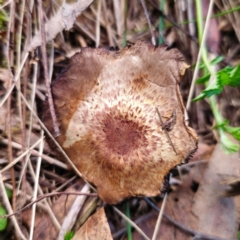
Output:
(122, 135)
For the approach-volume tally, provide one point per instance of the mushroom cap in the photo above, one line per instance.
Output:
(106, 103)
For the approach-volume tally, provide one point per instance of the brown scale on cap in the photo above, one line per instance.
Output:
(106, 106)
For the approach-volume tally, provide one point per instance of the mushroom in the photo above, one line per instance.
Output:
(112, 107)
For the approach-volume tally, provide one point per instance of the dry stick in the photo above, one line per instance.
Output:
(107, 24)
(137, 221)
(172, 21)
(165, 130)
(118, 9)
(9, 209)
(49, 209)
(15, 81)
(38, 168)
(45, 68)
(65, 183)
(11, 164)
(29, 198)
(53, 139)
(45, 157)
(131, 223)
(46, 196)
(10, 61)
(22, 107)
(97, 41)
(149, 22)
(182, 227)
(160, 215)
(71, 217)
(5, 4)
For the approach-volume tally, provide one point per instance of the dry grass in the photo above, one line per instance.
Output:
(27, 165)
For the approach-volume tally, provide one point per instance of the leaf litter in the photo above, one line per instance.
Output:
(84, 35)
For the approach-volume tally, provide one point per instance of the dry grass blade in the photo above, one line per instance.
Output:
(36, 188)
(110, 25)
(160, 215)
(9, 209)
(202, 46)
(70, 219)
(132, 224)
(20, 157)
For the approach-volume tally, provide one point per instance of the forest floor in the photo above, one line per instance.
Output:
(204, 201)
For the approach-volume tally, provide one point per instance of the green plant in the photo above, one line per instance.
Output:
(214, 83)
(3, 221)
(3, 212)
(69, 235)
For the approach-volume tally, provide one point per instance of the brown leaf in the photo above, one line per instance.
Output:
(44, 227)
(216, 214)
(178, 208)
(106, 105)
(233, 185)
(96, 227)
(63, 19)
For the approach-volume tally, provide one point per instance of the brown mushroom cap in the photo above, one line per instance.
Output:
(106, 106)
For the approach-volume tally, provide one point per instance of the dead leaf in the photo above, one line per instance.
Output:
(178, 208)
(44, 227)
(64, 19)
(233, 185)
(203, 152)
(96, 227)
(217, 215)
(106, 105)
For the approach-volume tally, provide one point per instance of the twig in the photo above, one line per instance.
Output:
(50, 135)
(9, 209)
(15, 81)
(132, 223)
(139, 220)
(5, 4)
(10, 60)
(97, 41)
(172, 21)
(39, 161)
(182, 227)
(32, 151)
(149, 22)
(165, 130)
(48, 195)
(160, 215)
(73, 212)
(45, 69)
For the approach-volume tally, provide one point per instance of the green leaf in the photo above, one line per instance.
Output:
(223, 76)
(235, 77)
(221, 125)
(228, 145)
(3, 221)
(203, 79)
(199, 97)
(216, 60)
(213, 88)
(229, 76)
(234, 131)
(9, 192)
(69, 235)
